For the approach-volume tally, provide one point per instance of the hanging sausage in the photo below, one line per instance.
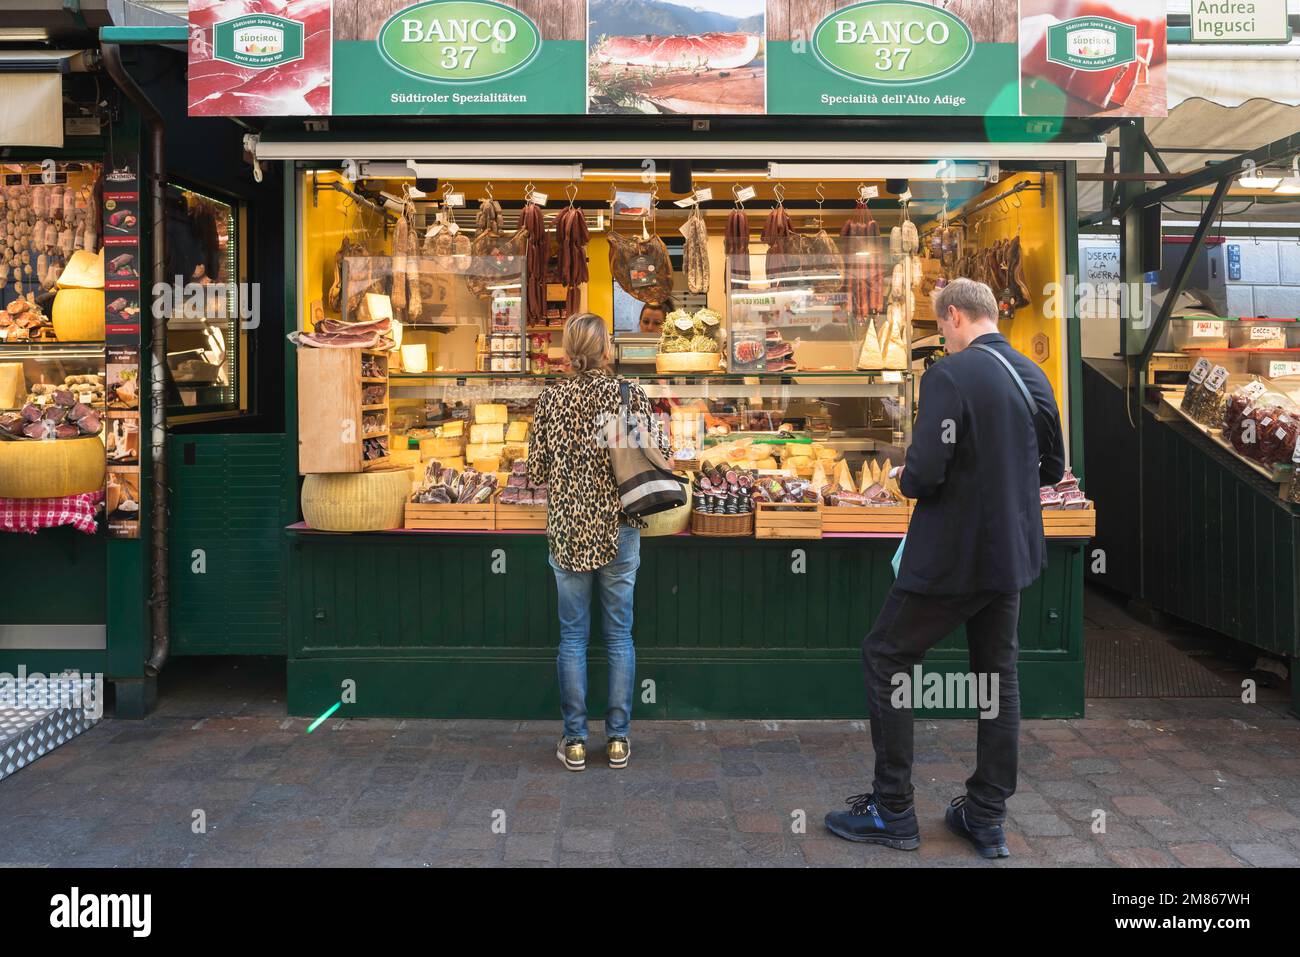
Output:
(695, 254)
(533, 224)
(572, 236)
(735, 243)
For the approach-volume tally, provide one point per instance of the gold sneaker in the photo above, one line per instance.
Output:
(572, 754)
(619, 751)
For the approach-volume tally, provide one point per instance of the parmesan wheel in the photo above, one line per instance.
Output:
(356, 501)
(51, 469)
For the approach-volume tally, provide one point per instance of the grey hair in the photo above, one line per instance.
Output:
(975, 299)
(586, 342)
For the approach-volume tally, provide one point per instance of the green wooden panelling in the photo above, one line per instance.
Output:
(231, 504)
(75, 559)
(736, 631)
(1221, 550)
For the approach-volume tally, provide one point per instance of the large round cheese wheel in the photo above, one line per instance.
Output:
(672, 522)
(52, 468)
(356, 501)
(78, 315)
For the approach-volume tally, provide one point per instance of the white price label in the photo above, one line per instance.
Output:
(1207, 329)
(868, 192)
(1279, 369)
(746, 193)
(893, 376)
(1200, 370)
(537, 198)
(1217, 378)
(454, 199)
(1254, 390)
(1263, 332)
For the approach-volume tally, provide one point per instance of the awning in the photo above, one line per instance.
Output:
(1229, 97)
(31, 95)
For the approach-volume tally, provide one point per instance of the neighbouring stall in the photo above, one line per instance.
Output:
(436, 258)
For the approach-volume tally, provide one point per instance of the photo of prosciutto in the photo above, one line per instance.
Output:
(651, 56)
(286, 74)
(1135, 86)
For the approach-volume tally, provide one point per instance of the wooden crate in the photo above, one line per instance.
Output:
(1070, 522)
(479, 518)
(788, 520)
(866, 518)
(330, 411)
(516, 518)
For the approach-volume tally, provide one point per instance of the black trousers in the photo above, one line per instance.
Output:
(908, 626)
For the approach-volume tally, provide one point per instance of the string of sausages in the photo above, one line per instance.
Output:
(571, 234)
(534, 225)
(863, 269)
(735, 243)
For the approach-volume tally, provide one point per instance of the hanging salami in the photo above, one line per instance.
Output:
(532, 224)
(861, 267)
(572, 236)
(695, 255)
(735, 243)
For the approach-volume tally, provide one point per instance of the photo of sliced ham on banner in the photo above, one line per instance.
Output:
(259, 58)
(1091, 58)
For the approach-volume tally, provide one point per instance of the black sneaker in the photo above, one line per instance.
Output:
(870, 822)
(989, 839)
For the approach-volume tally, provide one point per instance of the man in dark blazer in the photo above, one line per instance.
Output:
(977, 459)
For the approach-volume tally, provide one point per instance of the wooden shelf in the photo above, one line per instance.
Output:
(375, 380)
(378, 407)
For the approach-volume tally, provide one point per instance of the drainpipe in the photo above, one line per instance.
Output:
(153, 125)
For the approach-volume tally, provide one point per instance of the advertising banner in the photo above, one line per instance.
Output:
(653, 57)
(121, 211)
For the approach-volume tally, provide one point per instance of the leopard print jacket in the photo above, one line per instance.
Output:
(565, 453)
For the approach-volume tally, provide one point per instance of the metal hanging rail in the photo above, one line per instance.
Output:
(1021, 187)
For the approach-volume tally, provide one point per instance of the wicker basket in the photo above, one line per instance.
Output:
(722, 526)
(687, 362)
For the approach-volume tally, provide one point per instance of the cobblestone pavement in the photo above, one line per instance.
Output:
(1190, 782)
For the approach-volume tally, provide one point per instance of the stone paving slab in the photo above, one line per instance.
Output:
(1182, 784)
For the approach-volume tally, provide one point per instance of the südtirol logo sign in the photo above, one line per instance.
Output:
(892, 42)
(257, 41)
(1092, 43)
(459, 41)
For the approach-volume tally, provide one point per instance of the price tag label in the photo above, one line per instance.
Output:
(1217, 379)
(1254, 390)
(746, 193)
(868, 192)
(1208, 329)
(454, 199)
(538, 198)
(699, 196)
(1262, 332)
(892, 376)
(1200, 371)
(1279, 369)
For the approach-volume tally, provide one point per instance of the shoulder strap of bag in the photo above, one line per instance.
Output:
(1015, 376)
(1020, 383)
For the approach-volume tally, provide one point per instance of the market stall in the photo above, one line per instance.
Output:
(786, 375)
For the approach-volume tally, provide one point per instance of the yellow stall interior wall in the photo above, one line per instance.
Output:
(324, 225)
(1039, 225)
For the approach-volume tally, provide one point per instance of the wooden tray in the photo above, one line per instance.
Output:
(519, 517)
(788, 520)
(1070, 522)
(451, 517)
(866, 518)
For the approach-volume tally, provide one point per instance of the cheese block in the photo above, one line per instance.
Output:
(482, 433)
(490, 464)
(767, 464)
(489, 412)
(453, 429)
(517, 432)
(513, 452)
(436, 447)
(404, 458)
(356, 501)
(12, 385)
(483, 450)
(453, 462)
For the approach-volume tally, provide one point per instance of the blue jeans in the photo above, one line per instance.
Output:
(615, 582)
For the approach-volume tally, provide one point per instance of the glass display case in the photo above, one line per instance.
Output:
(204, 322)
(1245, 347)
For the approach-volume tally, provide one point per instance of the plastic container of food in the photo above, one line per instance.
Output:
(1258, 333)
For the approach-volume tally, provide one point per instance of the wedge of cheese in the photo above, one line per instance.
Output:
(437, 447)
(870, 357)
(453, 429)
(517, 431)
(843, 477)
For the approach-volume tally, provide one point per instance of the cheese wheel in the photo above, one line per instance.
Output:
(356, 501)
(78, 315)
(51, 469)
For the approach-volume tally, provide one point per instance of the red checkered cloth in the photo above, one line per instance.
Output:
(32, 514)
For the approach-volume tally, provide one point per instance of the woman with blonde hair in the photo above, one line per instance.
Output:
(593, 542)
